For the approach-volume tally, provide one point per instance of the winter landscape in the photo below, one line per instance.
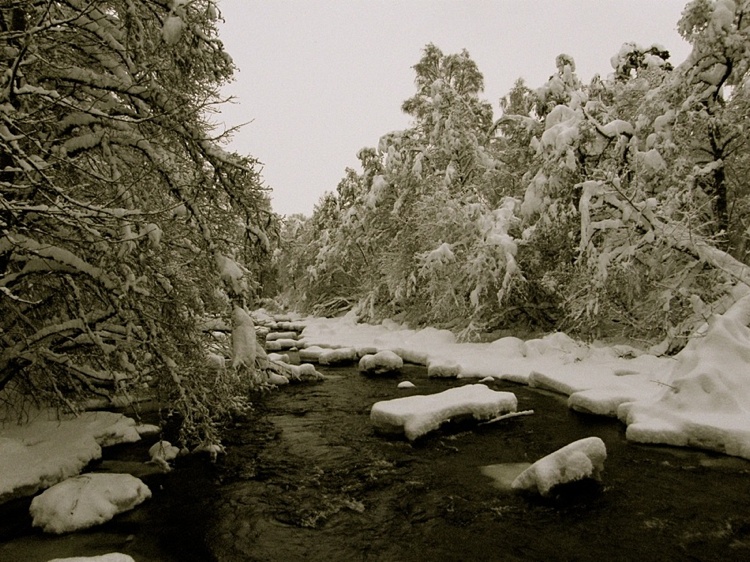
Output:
(514, 331)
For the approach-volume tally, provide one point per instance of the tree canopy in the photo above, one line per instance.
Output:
(124, 224)
(614, 208)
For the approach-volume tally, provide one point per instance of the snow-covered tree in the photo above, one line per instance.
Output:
(123, 223)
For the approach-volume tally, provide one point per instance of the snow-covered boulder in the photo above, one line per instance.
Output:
(406, 384)
(85, 501)
(443, 368)
(337, 356)
(47, 450)
(579, 460)
(311, 353)
(380, 363)
(273, 336)
(281, 344)
(417, 415)
(162, 452)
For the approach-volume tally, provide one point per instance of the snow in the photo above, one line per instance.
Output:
(418, 415)
(341, 355)
(577, 461)
(406, 384)
(111, 557)
(47, 450)
(243, 339)
(85, 501)
(705, 400)
(162, 452)
(711, 409)
(380, 363)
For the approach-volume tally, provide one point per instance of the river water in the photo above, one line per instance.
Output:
(306, 478)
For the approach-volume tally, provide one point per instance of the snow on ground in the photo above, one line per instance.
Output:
(700, 398)
(46, 451)
(420, 414)
(85, 501)
(578, 460)
(706, 401)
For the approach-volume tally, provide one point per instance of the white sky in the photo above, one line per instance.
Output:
(320, 79)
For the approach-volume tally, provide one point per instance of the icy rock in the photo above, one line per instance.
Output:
(443, 369)
(162, 452)
(278, 380)
(273, 336)
(305, 372)
(340, 355)
(311, 353)
(412, 355)
(366, 350)
(406, 384)
(146, 429)
(577, 461)
(85, 501)
(381, 363)
(417, 415)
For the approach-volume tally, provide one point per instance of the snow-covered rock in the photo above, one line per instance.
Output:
(162, 452)
(382, 362)
(336, 356)
(281, 344)
(85, 501)
(418, 415)
(48, 450)
(443, 368)
(406, 384)
(273, 336)
(577, 461)
(311, 353)
(111, 557)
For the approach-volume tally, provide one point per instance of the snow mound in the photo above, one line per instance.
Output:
(162, 452)
(406, 384)
(311, 353)
(46, 451)
(418, 415)
(705, 402)
(273, 336)
(336, 356)
(443, 368)
(380, 363)
(577, 461)
(85, 501)
(111, 557)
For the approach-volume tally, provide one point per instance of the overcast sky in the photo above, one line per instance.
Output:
(320, 79)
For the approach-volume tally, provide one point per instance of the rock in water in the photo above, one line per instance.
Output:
(577, 461)
(85, 501)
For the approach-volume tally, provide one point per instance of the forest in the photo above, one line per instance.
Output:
(133, 243)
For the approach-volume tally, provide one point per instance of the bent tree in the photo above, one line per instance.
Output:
(123, 223)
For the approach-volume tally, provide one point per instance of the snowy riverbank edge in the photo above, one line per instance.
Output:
(699, 398)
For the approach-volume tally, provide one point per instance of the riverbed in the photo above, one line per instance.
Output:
(305, 477)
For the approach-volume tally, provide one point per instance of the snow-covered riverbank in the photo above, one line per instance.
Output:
(699, 398)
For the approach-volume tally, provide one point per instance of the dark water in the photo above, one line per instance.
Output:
(306, 478)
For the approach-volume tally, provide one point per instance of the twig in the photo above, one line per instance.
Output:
(506, 416)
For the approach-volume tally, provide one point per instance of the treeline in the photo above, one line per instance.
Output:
(128, 235)
(614, 208)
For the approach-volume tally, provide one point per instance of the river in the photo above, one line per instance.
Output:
(306, 478)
